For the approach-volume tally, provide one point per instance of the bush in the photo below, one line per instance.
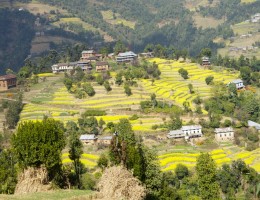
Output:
(134, 117)
(209, 79)
(88, 182)
(94, 113)
(227, 123)
(184, 73)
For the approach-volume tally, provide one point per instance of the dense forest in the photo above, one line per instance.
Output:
(16, 34)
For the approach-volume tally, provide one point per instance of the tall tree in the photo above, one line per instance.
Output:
(40, 143)
(207, 177)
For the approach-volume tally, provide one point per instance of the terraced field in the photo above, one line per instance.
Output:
(169, 161)
(89, 160)
(173, 87)
(53, 100)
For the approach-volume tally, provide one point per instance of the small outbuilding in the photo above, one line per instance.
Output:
(7, 82)
(102, 66)
(88, 139)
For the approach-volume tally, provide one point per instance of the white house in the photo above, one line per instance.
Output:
(63, 67)
(239, 83)
(128, 56)
(224, 134)
(205, 61)
(186, 132)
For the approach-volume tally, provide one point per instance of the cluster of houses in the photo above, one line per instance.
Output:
(255, 18)
(195, 131)
(90, 58)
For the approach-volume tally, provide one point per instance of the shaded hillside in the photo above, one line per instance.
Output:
(16, 34)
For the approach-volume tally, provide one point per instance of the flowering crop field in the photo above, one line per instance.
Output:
(173, 87)
(89, 160)
(169, 161)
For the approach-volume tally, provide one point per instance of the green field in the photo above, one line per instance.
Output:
(111, 18)
(51, 195)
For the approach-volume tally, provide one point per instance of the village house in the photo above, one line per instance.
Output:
(187, 132)
(88, 139)
(146, 55)
(126, 57)
(7, 82)
(65, 67)
(106, 140)
(224, 134)
(85, 55)
(205, 61)
(102, 66)
(239, 83)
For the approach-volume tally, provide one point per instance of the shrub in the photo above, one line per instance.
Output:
(134, 117)
(209, 79)
(94, 113)
(184, 73)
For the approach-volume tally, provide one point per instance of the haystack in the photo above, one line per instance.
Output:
(118, 183)
(32, 180)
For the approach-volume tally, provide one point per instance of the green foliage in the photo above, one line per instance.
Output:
(107, 86)
(88, 88)
(181, 171)
(68, 83)
(209, 79)
(175, 123)
(75, 151)
(184, 73)
(102, 161)
(245, 73)
(44, 146)
(100, 79)
(94, 113)
(88, 181)
(8, 174)
(127, 90)
(119, 79)
(207, 177)
(13, 111)
(88, 125)
(134, 117)
(190, 86)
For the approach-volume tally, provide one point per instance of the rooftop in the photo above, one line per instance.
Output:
(101, 63)
(237, 81)
(88, 51)
(88, 137)
(128, 53)
(191, 127)
(223, 130)
(253, 124)
(174, 132)
(106, 138)
(6, 77)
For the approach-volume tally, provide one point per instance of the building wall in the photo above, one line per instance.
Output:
(102, 68)
(6, 84)
(221, 137)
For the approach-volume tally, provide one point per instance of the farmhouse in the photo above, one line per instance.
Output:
(239, 83)
(88, 139)
(7, 82)
(102, 66)
(128, 56)
(224, 134)
(64, 67)
(106, 140)
(186, 132)
(85, 55)
(205, 61)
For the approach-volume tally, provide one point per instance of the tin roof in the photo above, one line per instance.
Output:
(88, 137)
(191, 127)
(223, 130)
(6, 77)
(128, 53)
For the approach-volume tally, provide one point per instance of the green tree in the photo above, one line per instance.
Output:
(14, 108)
(119, 47)
(107, 86)
(207, 177)
(88, 88)
(8, 174)
(127, 90)
(209, 79)
(68, 83)
(245, 73)
(184, 73)
(181, 171)
(119, 79)
(44, 146)
(102, 161)
(88, 125)
(100, 79)
(190, 86)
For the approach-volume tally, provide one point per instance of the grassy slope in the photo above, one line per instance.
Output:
(52, 195)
